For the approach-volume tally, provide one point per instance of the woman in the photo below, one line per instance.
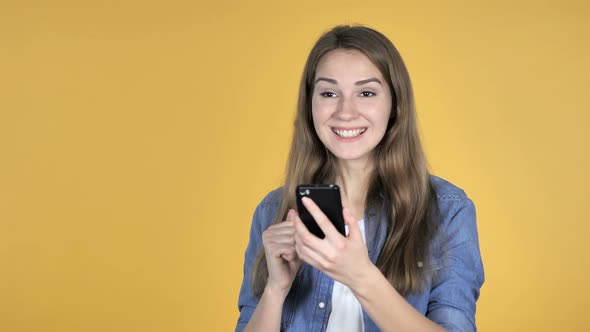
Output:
(411, 260)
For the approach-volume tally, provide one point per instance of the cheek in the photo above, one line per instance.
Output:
(319, 116)
(322, 109)
(384, 115)
(319, 120)
(317, 126)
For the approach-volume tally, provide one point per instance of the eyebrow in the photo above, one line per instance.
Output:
(333, 81)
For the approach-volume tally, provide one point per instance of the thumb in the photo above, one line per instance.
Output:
(354, 232)
(291, 215)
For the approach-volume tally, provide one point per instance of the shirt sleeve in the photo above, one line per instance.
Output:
(456, 286)
(247, 301)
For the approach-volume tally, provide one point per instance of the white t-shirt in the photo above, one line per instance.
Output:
(347, 313)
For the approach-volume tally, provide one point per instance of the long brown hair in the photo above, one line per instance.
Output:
(399, 183)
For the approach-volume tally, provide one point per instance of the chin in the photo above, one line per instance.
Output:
(350, 156)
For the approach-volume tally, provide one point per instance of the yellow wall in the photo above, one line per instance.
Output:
(136, 138)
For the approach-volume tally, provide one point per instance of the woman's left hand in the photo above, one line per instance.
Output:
(344, 259)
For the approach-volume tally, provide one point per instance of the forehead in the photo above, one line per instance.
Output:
(347, 63)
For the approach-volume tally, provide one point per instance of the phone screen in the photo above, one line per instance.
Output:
(327, 197)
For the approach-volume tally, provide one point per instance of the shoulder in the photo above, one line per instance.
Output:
(451, 200)
(446, 190)
(273, 197)
(267, 210)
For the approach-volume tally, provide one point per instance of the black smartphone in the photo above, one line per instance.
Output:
(327, 198)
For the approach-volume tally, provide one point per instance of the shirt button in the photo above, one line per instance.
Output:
(321, 305)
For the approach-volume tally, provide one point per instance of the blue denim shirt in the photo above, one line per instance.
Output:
(455, 272)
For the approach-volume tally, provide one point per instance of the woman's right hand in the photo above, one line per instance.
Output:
(281, 259)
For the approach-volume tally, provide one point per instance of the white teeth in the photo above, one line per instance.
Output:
(349, 133)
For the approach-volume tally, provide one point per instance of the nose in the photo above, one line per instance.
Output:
(346, 109)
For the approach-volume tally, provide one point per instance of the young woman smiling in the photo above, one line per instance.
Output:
(411, 259)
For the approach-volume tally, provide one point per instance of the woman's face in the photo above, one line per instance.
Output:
(351, 104)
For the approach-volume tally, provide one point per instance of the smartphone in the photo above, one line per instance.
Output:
(327, 198)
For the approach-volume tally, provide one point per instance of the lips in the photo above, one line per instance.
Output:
(349, 133)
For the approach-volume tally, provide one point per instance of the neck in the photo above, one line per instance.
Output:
(353, 180)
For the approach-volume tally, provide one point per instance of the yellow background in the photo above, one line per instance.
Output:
(137, 137)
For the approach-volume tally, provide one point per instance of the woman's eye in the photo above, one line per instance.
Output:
(367, 94)
(328, 94)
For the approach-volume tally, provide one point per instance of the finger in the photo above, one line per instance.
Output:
(309, 256)
(285, 228)
(306, 238)
(320, 218)
(283, 239)
(289, 256)
(354, 231)
(277, 249)
(318, 253)
(289, 253)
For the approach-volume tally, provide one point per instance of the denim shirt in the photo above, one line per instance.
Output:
(454, 273)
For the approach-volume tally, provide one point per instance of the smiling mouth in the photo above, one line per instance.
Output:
(349, 133)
